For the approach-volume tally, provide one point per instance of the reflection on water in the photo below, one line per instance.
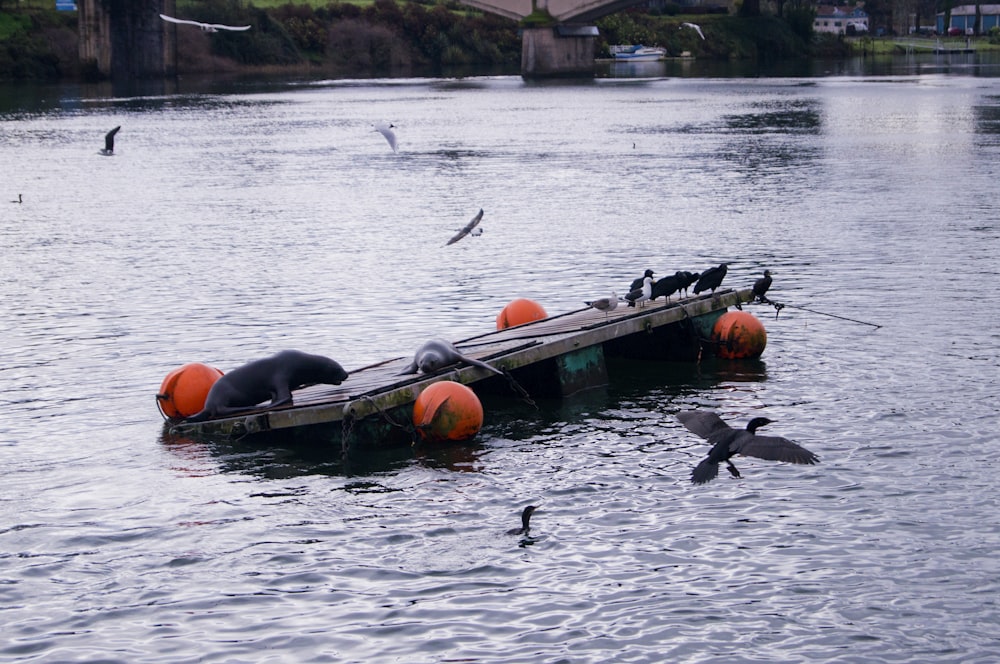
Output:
(239, 218)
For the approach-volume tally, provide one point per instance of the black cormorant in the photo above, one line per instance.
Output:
(525, 518)
(727, 442)
(761, 285)
(109, 141)
(711, 278)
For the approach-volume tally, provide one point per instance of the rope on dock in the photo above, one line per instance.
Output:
(348, 420)
(519, 390)
(778, 306)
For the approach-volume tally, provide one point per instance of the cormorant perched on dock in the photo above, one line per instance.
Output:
(637, 283)
(761, 285)
(727, 442)
(640, 295)
(711, 278)
(525, 518)
(667, 286)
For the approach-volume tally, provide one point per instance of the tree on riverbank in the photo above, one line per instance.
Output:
(383, 38)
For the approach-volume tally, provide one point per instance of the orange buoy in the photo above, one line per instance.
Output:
(519, 312)
(739, 336)
(447, 411)
(184, 390)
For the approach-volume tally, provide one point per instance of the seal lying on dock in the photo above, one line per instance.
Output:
(438, 354)
(272, 377)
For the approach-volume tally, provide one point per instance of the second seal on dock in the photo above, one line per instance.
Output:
(437, 354)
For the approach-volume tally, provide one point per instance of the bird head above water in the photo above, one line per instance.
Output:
(525, 521)
(757, 423)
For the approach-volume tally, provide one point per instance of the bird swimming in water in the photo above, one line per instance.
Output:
(19, 199)
(109, 141)
(386, 130)
(604, 304)
(205, 27)
(525, 519)
(727, 442)
(711, 278)
(637, 283)
(761, 285)
(640, 295)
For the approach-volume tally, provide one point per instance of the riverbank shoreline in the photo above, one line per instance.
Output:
(387, 39)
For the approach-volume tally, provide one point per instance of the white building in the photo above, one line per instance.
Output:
(837, 19)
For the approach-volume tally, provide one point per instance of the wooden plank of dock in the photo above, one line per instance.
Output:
(380, 388)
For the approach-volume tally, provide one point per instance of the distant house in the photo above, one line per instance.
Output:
(964, 18)
(840, 20)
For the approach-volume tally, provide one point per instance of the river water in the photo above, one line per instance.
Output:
(237, 220)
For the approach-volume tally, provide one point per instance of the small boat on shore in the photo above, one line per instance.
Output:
(638, 53)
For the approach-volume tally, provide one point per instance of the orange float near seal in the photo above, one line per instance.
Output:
(519, 312)
(184, 390)
(739, 336)
(447, 412)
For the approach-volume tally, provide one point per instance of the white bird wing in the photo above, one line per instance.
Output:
(696, 28)
(390, 135)
(468, 228)
(171, 19)
(219, 26)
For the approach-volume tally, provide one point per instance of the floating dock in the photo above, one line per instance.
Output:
(555, 356)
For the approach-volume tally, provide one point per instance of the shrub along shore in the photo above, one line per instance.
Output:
(385, 37)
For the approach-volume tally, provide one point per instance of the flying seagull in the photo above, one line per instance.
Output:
(467, 229)
(387, 130)
(205, 27)
(109, 142)
(727, 442)
(695, 27)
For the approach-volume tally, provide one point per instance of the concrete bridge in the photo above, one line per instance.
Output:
(125, 39)
(556, 38)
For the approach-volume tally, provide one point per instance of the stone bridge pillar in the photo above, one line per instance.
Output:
(557, 51)
(126, 39)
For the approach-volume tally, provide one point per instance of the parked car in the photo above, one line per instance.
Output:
(955, 32)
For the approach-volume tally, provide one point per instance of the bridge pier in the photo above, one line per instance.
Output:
(126, 39)
(561, 51)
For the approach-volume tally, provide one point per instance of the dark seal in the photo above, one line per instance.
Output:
(270, 378)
